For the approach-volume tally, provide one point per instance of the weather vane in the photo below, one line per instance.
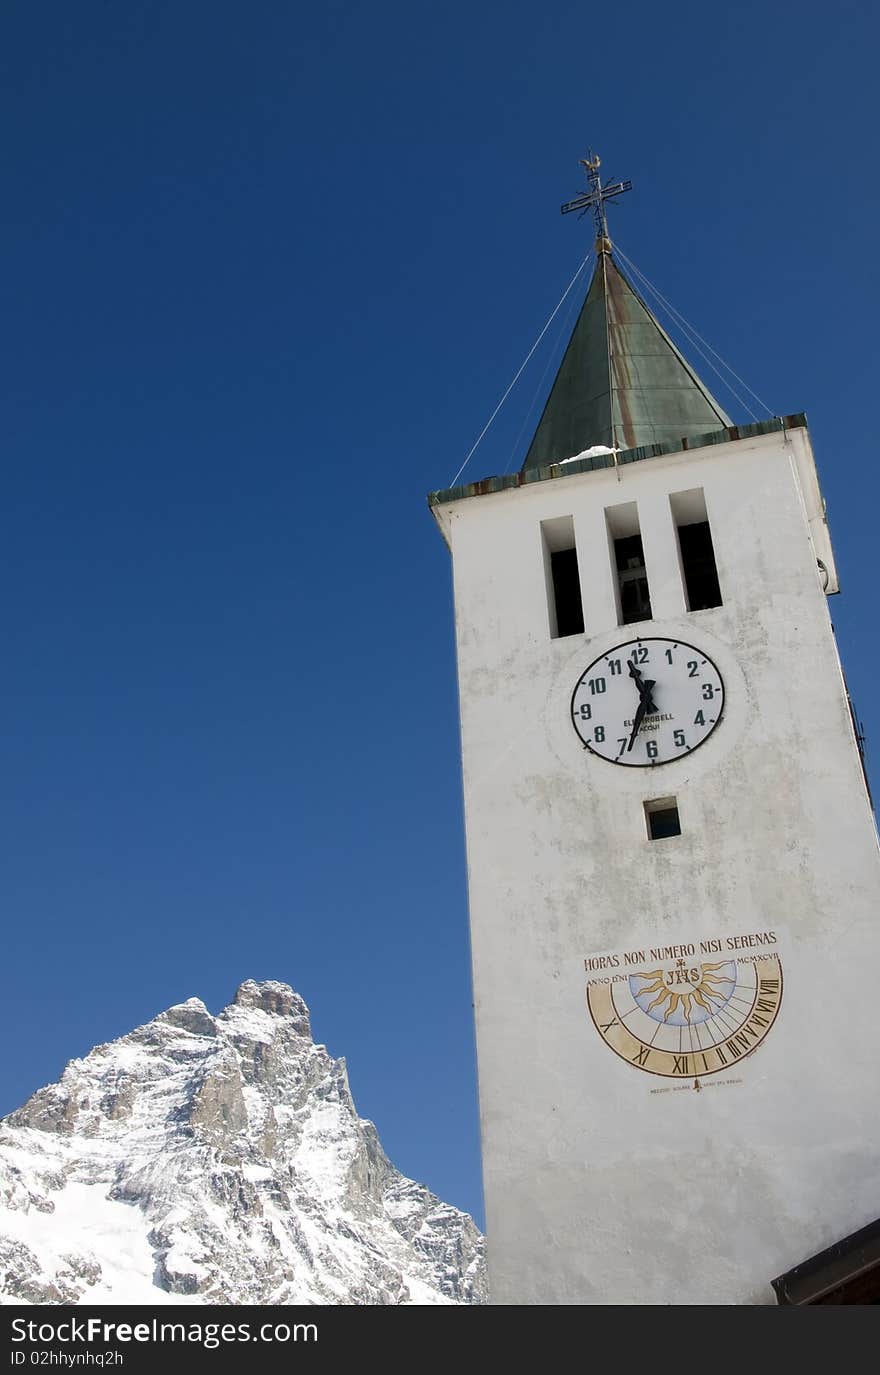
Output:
(595, 198)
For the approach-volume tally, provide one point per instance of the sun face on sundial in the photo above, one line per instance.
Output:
(691, 996)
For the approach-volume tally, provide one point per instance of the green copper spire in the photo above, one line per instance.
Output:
(622, 382)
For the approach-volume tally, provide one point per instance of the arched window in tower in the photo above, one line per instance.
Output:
(625, 539)
(696, 551)
(562, 574)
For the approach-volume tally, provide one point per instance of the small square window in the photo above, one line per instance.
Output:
(662, 819)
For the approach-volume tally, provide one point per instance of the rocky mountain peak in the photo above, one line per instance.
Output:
(219, 1159)
(276, 999)
(190, 1016)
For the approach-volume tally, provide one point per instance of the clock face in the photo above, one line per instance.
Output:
(647, 702)
(688, 1017)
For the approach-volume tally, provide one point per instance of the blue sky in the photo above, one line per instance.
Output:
(267, 269)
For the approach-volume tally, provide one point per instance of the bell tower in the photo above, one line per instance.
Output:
(673, 867)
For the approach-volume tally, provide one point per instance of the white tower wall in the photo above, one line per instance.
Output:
(605, 1183)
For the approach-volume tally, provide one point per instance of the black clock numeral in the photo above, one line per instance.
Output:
(586, 711)
(597, 685)
(681, 1064)
(614, 665)
(622, 744)
(641, 1056)
(599, 735)
(669, 656)
(651, 747)
(692, 668)
(699, 719)
(679, 737)
(708, 692)
(640, 654)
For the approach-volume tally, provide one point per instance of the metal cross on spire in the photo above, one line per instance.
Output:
(595, 199)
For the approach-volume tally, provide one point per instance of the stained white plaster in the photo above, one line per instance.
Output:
(600, 1188)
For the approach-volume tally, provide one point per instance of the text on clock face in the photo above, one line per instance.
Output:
(647, 701)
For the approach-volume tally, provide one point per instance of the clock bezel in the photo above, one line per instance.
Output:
(688, 750)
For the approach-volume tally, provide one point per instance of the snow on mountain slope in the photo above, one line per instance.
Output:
(206, 1159)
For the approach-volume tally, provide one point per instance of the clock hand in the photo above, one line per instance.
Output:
(637, 721)
(644, 685)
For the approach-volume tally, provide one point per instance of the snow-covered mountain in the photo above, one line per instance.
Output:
(218, 1159)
